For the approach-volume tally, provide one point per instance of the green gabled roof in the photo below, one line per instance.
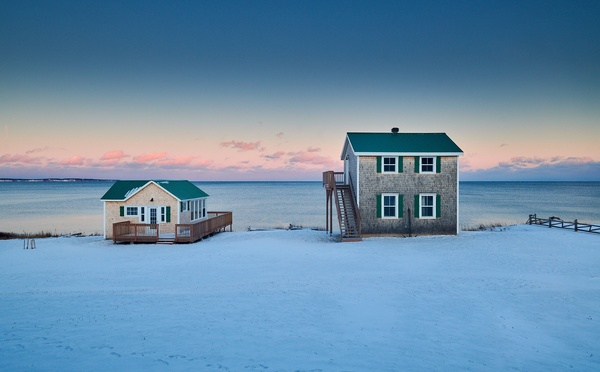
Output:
(398, 143)
(181, 189)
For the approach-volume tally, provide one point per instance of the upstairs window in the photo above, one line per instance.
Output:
(389, 165)
(427, 165)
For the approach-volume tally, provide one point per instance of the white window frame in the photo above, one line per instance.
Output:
(163, 215)
(383, 205)
(194, 210)
(432, 206)
(394, 158)
(143, 214)
(134, 210)
(433, 164)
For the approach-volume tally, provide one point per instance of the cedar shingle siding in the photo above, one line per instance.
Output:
(408, 183)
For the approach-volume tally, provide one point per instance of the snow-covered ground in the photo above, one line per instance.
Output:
(526, 298)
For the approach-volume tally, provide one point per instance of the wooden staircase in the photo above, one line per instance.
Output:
(347, 214)
(347, 210)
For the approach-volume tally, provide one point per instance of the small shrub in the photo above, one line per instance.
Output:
(38, 235)
(484, 227)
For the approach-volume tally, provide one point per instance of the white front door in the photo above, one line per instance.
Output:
(153, 214)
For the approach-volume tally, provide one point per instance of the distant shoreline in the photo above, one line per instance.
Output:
(52, 179)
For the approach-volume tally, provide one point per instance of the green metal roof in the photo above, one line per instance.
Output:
(430, 143)
(181, 189)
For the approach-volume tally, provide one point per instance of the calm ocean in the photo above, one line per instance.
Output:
(75, 207)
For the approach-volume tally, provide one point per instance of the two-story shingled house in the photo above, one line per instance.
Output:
(395, 184)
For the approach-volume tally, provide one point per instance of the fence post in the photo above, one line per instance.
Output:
(575, 225)
(550, 221)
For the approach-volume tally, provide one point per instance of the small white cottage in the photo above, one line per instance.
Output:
(160, 204)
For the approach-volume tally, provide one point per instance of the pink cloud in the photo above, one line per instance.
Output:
(277, 155)
(113, 155)
(522, 162)
(148, 158)
(202, 163)
(313, 149)
(305, 157)
(74, 160)
(185, 160)
(41, 149)
(243, 146)
(21, 159)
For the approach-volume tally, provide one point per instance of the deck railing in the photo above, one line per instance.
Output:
(557, 222)
(216, 221)
(331, 178)
(135, 232)
(127, 232)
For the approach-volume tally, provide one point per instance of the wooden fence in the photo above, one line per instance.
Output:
(557, 222)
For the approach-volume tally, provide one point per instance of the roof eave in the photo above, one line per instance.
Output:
(422, 153)
(347, 144)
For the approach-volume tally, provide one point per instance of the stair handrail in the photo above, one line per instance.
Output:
(354, 205)
(337, 202)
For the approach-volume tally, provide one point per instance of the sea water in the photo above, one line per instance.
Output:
(75, 207)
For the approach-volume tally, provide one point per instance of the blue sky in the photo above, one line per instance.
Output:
(266, 90)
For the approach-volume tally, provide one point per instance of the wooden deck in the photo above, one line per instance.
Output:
(126, 232)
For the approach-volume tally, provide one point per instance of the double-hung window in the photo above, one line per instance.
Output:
(427, 205)
(390, 205)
